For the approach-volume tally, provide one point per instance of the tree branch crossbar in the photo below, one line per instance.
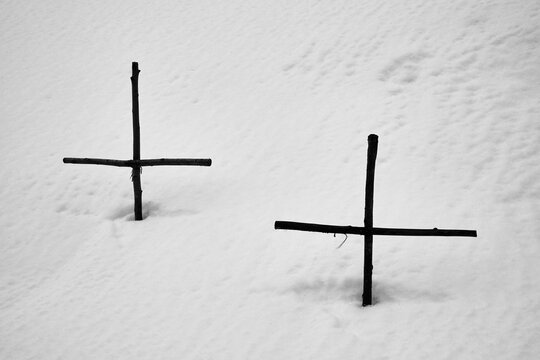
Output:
(356, 230)
(138, 163)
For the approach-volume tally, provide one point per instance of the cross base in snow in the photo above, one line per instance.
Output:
(368, 230)
(136, 164)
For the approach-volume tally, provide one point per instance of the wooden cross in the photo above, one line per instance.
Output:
(136, 164)
(368, 230)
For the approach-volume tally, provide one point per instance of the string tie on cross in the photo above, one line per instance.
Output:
(343, 241)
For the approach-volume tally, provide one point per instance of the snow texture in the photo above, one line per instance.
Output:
(282, 96)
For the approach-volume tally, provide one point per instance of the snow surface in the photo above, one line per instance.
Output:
(282, 96)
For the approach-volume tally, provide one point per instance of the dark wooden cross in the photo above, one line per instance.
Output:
(368, 230)
(136, 164)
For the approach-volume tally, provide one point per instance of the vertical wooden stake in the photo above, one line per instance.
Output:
(136, 172)
(368, 218)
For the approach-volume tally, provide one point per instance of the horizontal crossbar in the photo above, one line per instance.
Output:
(137, 163)
(334, 229)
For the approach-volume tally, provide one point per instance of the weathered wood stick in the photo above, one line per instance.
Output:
(136, 172)
(188, 162)
(91, 161)
(356, 230)
(373, 141)
(135, 110)
(424, 232)
(135, 163)
(330, 229)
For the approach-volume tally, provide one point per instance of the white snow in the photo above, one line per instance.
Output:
(282, 96)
